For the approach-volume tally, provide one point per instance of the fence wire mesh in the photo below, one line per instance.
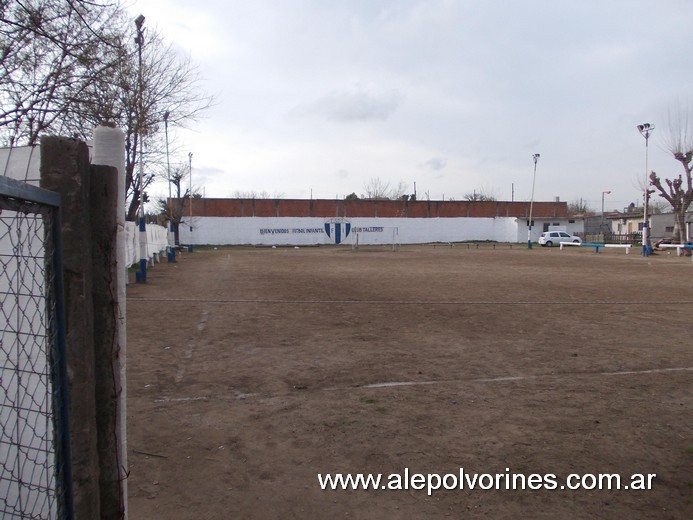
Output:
(32, 395)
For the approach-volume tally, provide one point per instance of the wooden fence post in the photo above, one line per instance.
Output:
(89, 198)
(109, 150)
(108, 387)
(64, 169)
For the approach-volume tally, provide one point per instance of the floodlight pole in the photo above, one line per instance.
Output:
(531, 202)
(141, 276)
(168, 162)
(646, 129)
(169, 205)
(190, 156)
(608, 192)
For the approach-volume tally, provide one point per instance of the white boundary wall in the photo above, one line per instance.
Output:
(311, 231)
(27, 449)
(21, 163)
(157, 242)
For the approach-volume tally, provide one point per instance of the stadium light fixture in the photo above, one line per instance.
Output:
(139, 22)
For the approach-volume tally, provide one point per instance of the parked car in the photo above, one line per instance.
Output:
(550, 238)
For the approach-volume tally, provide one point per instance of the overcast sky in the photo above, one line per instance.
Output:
(320, 96)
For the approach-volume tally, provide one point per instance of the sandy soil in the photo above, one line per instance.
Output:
(250, 372)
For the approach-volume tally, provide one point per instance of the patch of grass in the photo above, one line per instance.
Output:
(373, 400)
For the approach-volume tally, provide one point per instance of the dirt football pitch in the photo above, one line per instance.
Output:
(251, 371)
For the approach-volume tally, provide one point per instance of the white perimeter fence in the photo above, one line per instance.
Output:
(157, 242)
(23, 164)
(97, 322)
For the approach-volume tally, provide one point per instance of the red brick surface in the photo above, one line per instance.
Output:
(324, 208)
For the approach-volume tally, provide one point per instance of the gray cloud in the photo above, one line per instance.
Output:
(379, 87)
(435, 163)
(355, 105)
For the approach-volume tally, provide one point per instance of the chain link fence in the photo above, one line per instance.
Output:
(35, 472)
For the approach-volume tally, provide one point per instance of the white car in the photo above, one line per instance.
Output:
(550, 238)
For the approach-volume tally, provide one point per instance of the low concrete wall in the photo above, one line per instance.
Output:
(317, 231)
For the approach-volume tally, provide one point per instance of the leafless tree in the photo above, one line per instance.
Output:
(678, 191)
(170, 84)
(376, 188)
(252, 194)
(481, 195)
(51, 51)
(579, 207)
(173, 208)
(67, 66)
(399, 191)
(658, 206)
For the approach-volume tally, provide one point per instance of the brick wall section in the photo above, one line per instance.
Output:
(296, 208)
(215, 207)
(323, 208)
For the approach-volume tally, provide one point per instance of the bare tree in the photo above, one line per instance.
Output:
(170, 84)
(376, 188)
(579, 207)
(173, 208)
(68, 66)
(678, 191)
(252, 194)
(50, 52)
(658, 206)
(399, 191)
(481, 195)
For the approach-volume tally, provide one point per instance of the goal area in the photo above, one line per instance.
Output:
(384, 236)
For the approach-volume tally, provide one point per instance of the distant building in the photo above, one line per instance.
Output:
(663, 226)
(626, 225)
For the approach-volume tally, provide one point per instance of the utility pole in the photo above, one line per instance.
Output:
(646, 129)
(531, 202)
(141, 276)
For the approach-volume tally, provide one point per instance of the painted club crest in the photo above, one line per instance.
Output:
(337, 229)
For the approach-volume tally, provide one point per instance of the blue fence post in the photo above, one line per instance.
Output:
(61, 390)
(141, 275)
(171, 243)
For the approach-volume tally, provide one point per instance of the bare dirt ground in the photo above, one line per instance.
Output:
(249, 373)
